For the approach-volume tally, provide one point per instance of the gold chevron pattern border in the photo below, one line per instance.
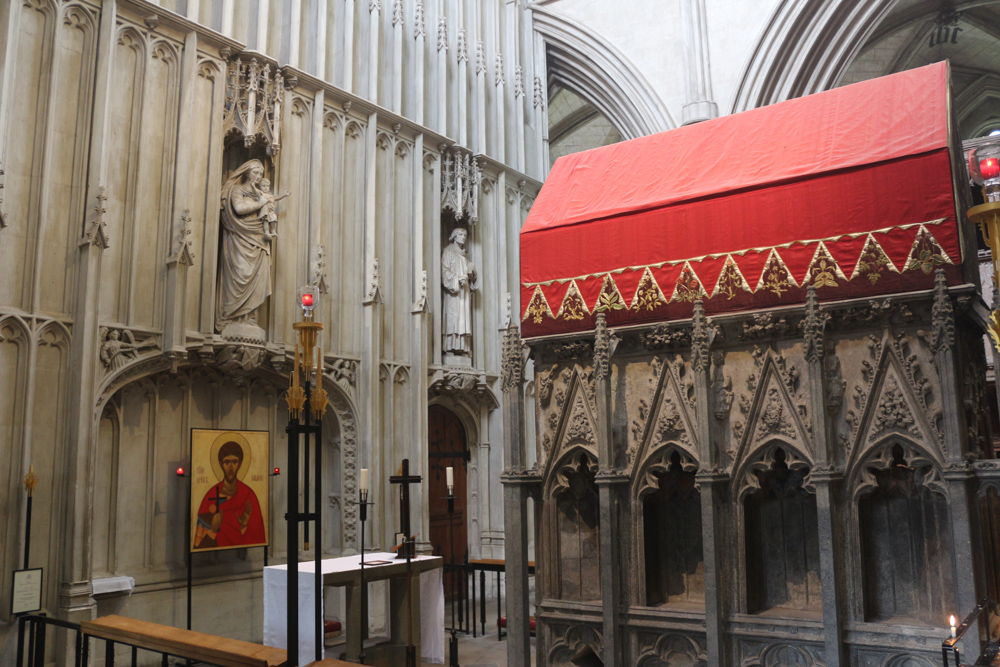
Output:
(873, 263)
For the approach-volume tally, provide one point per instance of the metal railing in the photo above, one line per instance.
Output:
(949, 644)
(31, 637)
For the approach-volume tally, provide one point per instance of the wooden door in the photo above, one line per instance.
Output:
(448, 447)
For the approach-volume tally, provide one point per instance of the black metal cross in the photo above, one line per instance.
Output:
(404, 479)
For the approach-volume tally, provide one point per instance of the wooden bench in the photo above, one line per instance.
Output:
(185, 643)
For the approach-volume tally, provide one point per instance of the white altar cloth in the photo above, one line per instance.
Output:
(340, 571)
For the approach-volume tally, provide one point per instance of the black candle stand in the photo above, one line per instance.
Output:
(363, 516)
(453, 641)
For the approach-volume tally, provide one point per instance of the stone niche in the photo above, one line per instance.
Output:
(844, 434)
(782, 544)
(671, 535)
(577, 512)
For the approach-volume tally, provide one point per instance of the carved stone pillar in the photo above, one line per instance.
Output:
(957, 473)
(612, 487)
(700, 105)
(515, 500)
(75, 601)
(827, 481)
(712, 485)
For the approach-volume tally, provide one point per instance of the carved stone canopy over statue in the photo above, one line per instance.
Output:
(458, 277)
(248, 228)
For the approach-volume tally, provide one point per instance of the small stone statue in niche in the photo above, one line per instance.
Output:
(458, 277)
(248, 219)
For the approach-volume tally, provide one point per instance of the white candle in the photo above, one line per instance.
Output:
(951, 621)
(450, 474)
(364, 479)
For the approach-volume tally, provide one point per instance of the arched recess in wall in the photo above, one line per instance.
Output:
(805, 48)
(582, 62)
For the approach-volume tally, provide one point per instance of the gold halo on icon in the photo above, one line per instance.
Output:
(239, 439)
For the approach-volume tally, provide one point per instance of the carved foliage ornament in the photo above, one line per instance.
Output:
(511, 373)
(602, 349)
(699, 338)
(942, 335)
(253, 103)
(419, 27)
(539, 101)
(182, 252)
(813, 326)
(673, 395)
(903, 400)
(97, 229)
(771, 404)
(442, 36)
(460, 179)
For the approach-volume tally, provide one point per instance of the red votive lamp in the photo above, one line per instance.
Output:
(989, 168)
(984, 168)
(180, 472)
(308, 300)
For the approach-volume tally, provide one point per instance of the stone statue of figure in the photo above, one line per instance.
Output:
(458, 276)
(245, 260)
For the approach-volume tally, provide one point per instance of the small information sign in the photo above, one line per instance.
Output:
(27, 596)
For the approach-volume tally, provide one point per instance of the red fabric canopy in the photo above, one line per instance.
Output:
(850, 190)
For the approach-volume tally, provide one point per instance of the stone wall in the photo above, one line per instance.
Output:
(116, 137)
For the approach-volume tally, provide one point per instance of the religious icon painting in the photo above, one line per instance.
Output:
(229, 489)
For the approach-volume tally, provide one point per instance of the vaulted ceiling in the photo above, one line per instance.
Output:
(919, 32)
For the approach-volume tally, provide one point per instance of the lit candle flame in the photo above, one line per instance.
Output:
(951, 620)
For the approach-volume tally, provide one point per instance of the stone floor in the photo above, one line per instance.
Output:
(483, 651)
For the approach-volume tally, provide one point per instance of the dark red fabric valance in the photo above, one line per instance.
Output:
(850, 190)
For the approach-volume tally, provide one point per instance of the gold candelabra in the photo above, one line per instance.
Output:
(307, 357)
(987, 216)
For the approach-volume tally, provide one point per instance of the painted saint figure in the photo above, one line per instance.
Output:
(245, 260)
(458, 276)
(229, 515)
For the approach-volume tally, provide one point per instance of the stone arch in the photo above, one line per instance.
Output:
(858, 479)
(908, 660)
(564, 516)
(744, 481)
(145, 368)
(784, 655)
(583, 62)
(467, 413)
(986, 89)
(805, 48)
(575, 640)
(667, 522)
(755, 504)
(862, 549)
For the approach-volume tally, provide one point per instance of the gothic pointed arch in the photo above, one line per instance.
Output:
(668, 423)
(774, 410)
(575, 426)
(805, 48)
(895, 403)
(580, 60)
